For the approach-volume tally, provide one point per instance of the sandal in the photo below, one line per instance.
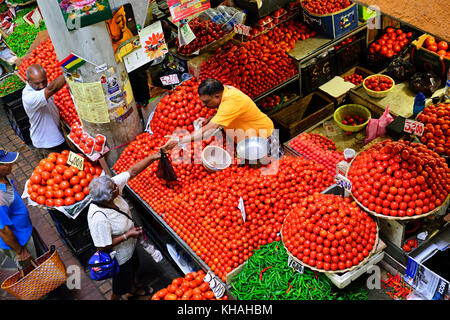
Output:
(148, 291)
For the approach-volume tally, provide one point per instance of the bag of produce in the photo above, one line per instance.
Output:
(165, 169)
(425, 82)
(400, 69)
(377, 127)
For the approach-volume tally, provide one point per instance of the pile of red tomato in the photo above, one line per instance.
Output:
(257, 66)
(191, 287)
(355, 78)
(54, 183)
(319, 149)
(400, 179)
(390, 43)
(439, 47)
(84, 141)
(378, 83)
(205, 32)
(329, 232)
(325, 6)
(201, 207)
(436, 135)
(179, 109)
(269, 102)
(45, 55)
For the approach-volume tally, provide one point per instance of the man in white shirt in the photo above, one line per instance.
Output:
(37, 99)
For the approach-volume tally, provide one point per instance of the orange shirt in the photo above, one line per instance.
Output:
(237, 111)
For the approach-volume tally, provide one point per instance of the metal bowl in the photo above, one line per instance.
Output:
(215, 158)
(253, 148)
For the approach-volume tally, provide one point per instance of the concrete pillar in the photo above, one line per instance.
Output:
(93, 43)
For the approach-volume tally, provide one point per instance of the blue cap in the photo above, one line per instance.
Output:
(7, 157)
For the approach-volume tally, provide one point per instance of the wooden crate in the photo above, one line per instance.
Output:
(358, 70)
(302, 114)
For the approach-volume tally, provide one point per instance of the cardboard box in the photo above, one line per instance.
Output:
(194, 64)
(333, 25)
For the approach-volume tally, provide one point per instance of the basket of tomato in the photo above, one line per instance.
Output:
(400, 180)
(329, 233)
(378, 85)
(56, 184)
(352, 117)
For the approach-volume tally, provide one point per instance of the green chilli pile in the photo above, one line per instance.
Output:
(267, 276)
(11, 84)
(21, 39)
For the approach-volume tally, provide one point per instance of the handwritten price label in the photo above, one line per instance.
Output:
(414, 127)
(75, 160)
(170, 79)
(295, 265)
(343, 182)
(242, 29)
(216, 286)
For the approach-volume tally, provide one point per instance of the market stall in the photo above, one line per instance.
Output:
(363, 116)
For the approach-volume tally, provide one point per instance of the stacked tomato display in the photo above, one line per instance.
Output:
(54, 183)
(191, 287)
(205, 32)
(325, 6)
(355, 78)
(45, 55)
(258, 65)
(436, 136)
(319, 149)
(329, 233)
(179, 109)
(390, 43)
(400, 179)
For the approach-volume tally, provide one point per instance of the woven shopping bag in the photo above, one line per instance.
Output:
(44, 275)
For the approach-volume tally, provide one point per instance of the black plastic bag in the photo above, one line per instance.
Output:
(425, 82)
(165, 169)
(400, 69)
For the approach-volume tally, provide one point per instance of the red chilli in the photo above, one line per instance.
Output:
(261, 274)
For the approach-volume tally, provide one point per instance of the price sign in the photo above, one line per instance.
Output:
(170, 79)
(214, 283)
(185, 35)
(343, 182)
(414, 127)
(242, 29)
(242, 208)
(295, 265)
(75, 160)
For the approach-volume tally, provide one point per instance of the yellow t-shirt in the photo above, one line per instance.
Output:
(237, 111)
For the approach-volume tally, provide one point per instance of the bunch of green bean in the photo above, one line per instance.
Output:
(266, 276)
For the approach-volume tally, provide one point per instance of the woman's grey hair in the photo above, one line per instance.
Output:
(100, 189)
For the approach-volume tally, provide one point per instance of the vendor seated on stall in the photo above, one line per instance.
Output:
(236, 113)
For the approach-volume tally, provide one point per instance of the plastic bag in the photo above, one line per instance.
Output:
(400, 69)
(377, 127)
(165, 169)
(425, 82)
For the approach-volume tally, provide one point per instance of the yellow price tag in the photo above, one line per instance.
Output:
(75, 160)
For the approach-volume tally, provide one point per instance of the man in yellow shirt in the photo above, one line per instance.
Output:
(236, 113)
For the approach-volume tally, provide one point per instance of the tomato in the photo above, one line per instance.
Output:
(442, 45)
(430, 40)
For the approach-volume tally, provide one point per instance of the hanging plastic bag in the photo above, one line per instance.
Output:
(377, 127)
(165, 169)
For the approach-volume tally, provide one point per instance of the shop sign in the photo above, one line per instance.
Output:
(413, 127)
(181, 9)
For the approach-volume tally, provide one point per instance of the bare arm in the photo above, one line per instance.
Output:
(141, 165)
(203, 133)
(10, 239)
(55, 86)
(134, 232)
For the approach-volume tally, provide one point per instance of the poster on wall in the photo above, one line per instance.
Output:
(123, 31)
(81, 13)
(153, 42)
(181, 9)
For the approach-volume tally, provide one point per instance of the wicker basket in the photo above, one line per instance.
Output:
(48, 274)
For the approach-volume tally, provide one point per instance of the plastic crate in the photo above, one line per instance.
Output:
(350, 55)
(12, 96)
(70, 226)
(80, 240)
(317, 71)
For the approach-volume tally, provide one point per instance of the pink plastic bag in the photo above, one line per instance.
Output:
(377, 127)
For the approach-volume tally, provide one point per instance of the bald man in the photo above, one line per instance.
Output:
(37, 99)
